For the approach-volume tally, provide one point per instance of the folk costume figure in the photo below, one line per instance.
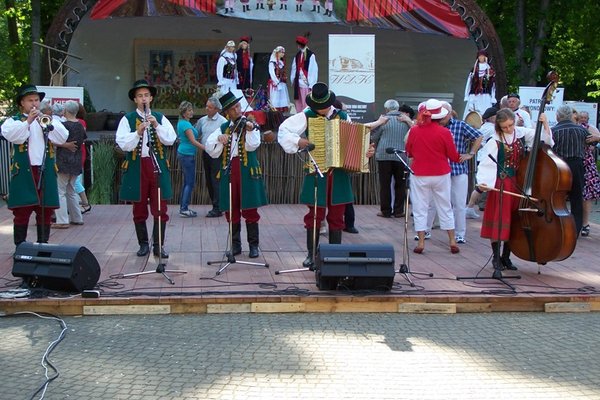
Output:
(245, 65)
(507, 148)
(237, 140)
(278, 92)
(334, 189)
(480, 90)
(304, 73)
(227, 74)
(33, 184)
(143, 135)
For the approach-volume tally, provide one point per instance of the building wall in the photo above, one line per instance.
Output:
(405, 61)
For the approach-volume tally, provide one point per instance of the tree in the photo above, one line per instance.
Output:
(543, 35)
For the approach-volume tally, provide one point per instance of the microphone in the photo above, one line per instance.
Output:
(391, 150)
(310, 147)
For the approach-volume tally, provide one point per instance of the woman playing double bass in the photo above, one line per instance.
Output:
(501, 157)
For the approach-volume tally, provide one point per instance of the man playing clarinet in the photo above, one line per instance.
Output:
(143, 135)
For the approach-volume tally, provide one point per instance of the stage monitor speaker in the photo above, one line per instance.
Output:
(355, 267)
(63, 268)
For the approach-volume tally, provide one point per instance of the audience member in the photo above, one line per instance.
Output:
(69, 168)
(430, 146)
(186, 154)
(591, 188)
(205, 126)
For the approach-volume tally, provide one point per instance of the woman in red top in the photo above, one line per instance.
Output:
(430, 146)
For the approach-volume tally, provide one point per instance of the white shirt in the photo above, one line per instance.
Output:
(292, 129)
(17, 132)
(214, 148)
(128, 140)
(313, 73)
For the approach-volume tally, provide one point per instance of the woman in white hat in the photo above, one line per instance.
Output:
(430, 146)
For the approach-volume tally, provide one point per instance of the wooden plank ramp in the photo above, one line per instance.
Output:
(571, 285)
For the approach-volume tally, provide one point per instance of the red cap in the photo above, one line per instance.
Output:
(301, 40)
(246, 39)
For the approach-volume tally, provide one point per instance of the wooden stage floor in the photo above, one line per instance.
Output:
(108, 232)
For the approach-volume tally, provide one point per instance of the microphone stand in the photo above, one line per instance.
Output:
(41, 184)
(497, 274)
(314, 231)
(229, 257)
(161, 267)
(405, 265)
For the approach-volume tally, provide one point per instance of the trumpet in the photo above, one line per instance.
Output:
(45, 121)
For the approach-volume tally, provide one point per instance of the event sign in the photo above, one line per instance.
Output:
(532, 98)
(352, 73)
(591, 108)
(62, 94)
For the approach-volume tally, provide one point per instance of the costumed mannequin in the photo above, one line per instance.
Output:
(480, 90)
(33, 148)
(227, 74)
(244, 62)
(237, 141)
(278, 92)
(143, 134)
(304, 72)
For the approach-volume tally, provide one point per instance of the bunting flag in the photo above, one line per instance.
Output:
(425, 16)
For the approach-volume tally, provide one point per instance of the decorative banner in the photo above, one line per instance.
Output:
(352, 73)
(531, 97)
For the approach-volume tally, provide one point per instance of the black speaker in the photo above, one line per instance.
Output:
(56, 267)
(355, 267)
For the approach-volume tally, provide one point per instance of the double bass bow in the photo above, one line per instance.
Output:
(544, 231)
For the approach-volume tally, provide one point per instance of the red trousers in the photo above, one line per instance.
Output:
(22, 214)
(251, 214)
(149, 195)
(335, 213)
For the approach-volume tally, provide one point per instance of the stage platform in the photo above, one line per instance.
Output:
(572, 285)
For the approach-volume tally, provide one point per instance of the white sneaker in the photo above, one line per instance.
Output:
(427, 235)
(471, 213)
(460, 240)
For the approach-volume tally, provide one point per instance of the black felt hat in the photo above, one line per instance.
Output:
(320, 97)
(28, 89)
(490, 112)
(139, 84)
(228, 100)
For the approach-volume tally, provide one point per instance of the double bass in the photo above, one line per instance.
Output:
(543, 230)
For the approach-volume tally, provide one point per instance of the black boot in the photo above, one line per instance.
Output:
(142, 235)
(281, 6)
(236, 241)
(505, 258)
(257, 5)
(262, 6)
(319, 9)
(314, 8)
(252, 232)
(19, 234)
(309, 262)
(43, 233)
(496, 260)
(335, 237)
(159, 247)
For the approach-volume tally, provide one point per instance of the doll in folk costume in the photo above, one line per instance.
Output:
(278, 92)
(245, 64)
(227, 74)
(480, 90)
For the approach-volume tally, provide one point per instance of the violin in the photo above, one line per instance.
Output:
(543, 230)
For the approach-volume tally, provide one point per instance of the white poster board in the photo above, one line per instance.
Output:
(61, 94)
(352, 73)
(532, 98)
(591, 108)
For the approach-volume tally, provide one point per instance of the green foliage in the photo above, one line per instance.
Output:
(569, 47)
(104, 172)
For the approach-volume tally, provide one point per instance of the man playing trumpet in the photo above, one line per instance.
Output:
(33, 184)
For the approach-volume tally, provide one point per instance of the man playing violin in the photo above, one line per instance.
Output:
(33, 136)
(142, 135)
(237, 139)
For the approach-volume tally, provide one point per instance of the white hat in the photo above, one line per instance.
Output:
(231, 43)
(435, 108)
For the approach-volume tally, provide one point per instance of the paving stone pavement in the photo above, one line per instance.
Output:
(306, 356)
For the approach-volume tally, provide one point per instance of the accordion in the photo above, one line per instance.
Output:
(339, 144)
